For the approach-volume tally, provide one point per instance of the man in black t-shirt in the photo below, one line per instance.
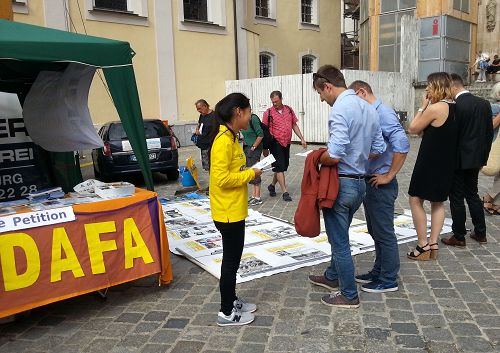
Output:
(207, 126)
(494, 66)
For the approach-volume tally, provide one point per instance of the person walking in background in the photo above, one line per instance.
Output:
(228, 201)
(281, 121)
(433, 172)
(475, 135)
(207, 127)
(381, 194)
(491, 200)
(354, 136)
(252, 146)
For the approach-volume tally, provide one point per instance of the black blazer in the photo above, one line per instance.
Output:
(475, 131)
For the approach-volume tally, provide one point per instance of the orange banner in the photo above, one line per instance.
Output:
(100, 249)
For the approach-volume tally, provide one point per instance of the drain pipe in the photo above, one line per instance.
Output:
(235, 19)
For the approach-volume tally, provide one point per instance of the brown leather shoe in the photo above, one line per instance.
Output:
(324, 282)
(479, 238)
(452, 241)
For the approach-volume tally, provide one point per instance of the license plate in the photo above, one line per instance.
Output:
(151, 156)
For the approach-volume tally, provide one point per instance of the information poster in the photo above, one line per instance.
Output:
(271, 245)
(20, 173)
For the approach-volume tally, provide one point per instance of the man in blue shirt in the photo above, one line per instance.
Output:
(354, 137)
(381, 193)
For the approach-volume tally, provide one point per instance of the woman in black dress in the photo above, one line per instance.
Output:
(433, 171)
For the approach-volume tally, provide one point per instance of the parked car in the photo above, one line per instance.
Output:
(116, 158)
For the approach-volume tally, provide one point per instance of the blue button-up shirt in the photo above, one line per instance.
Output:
(394, 136)
(355, 132)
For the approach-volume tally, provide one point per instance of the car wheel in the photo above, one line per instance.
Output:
(172, 174)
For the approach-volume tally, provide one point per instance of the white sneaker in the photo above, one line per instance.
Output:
(237, 318)
(244, 306)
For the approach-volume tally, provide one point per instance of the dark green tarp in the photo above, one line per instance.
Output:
(25, 50)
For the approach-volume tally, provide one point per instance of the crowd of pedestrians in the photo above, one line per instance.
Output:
(368, 147)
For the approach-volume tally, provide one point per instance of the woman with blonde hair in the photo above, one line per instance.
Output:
(491, 200)
(433, 172)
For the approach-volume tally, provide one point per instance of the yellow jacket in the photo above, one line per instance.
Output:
(228, 179)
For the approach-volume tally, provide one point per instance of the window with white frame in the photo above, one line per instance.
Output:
(461, 5)
(309, 11)
(308, 64)
(114, 5)
(195, 15)
(262, 8)
(266, 65)
(20, 6)
(196, 10)
(132, 7)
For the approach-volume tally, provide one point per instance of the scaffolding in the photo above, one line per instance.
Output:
(349, 39)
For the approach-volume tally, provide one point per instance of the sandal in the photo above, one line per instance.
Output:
(488, 205)
(423, 255)
(435, 251)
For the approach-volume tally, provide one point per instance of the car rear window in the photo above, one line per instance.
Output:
(152, 129)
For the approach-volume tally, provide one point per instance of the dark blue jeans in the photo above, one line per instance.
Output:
(337, 222)
(379, 212)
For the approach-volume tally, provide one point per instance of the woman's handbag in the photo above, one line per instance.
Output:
(492, 167)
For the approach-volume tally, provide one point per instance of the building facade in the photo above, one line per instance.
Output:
(488, 27)
(446, 38)
(187, 49)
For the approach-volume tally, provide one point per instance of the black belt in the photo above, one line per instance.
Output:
(353, 176)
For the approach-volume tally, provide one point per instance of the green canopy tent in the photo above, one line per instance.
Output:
(25, 50)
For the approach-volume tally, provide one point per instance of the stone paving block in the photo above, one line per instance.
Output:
(320, 334)
(96, 324)
(35, 333)
(437, 334)
(155, 348)
(410, 341)
(250, 348)
(402, 315)
(426, 309)
(188, 347)
(347, 343)
(147, 327)
(313, 346)
(132, 318)
(284, 328)
(156, 316)
(474, 344)
(404, 328)
(373, 307)
(291, 314)
(262, 320)
(295, 302)
(255, 334)
(101, 345)
(346, 328)
(396, 303)
(116, 329)
(222, 341)
(493, 335)
(442, 347)
(370, 320)
(283, 344)
(457, 316)
(379, 334)
(176, 323)
(164, 336)
(445, 293)
(465, 329)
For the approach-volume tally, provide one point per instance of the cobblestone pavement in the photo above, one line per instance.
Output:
(451, 305)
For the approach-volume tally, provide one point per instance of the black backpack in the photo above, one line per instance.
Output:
(268, 139)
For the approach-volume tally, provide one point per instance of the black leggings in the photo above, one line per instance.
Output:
(233, 238)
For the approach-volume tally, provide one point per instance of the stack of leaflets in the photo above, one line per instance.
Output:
(46, 194)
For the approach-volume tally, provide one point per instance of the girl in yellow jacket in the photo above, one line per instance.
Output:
(228, 200)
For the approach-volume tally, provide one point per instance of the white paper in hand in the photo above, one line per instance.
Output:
(266, 162)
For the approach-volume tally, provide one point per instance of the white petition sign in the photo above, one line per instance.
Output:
(152, 144)
(36, 219)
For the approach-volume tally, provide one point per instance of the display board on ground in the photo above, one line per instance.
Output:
(271, 245)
